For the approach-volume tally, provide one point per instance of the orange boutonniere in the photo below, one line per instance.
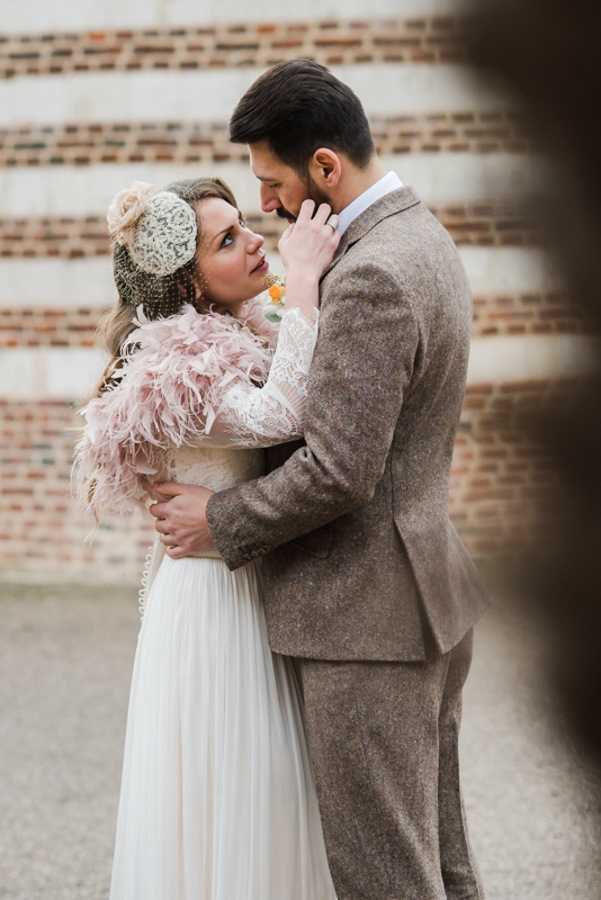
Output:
(277, 293)
(277, 290)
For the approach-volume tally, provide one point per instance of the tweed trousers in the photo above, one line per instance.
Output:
(383, 740)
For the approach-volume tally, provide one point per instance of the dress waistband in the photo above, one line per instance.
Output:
(209, 554)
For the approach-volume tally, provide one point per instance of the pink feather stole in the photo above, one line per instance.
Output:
(168, 396)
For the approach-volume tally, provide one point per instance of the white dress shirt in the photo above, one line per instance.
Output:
(387, 184)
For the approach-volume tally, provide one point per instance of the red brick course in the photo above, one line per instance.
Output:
(530, 314)
(502, 485)
(330, 41)
(49, 327)
(206, 143)
(535, 313)
(481, 224)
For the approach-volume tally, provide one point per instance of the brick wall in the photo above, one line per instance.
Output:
(504, 487)
(105, 109)
(500, 478)
(42, 531)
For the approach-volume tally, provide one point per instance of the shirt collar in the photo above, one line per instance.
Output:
(387, 184)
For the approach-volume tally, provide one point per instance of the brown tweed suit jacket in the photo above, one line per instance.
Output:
(360, 558)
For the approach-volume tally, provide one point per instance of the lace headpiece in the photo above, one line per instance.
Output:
(157, 227)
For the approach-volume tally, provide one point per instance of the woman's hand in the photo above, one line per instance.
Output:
(308, 246)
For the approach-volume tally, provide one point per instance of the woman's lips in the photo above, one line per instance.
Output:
(262, 267)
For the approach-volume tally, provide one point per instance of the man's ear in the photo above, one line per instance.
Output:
(325, 168)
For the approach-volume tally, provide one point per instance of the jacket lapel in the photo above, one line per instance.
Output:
(389, 205)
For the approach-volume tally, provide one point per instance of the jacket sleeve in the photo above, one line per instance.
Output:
(363, 363)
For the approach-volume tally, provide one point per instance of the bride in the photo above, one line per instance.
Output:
(217, 799)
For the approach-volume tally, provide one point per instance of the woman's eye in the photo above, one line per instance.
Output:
(227, 237)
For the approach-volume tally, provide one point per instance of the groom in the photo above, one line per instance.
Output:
(365, 581)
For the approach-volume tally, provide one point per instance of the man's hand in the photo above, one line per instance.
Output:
(181, 518)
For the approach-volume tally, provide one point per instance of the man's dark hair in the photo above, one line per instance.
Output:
(299, 106)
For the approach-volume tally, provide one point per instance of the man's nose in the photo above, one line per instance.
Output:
(269, 199)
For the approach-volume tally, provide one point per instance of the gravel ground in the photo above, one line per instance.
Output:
(65, 661)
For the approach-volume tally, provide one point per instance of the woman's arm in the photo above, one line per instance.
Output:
(191, 383)
(274, 413)
(252, 314)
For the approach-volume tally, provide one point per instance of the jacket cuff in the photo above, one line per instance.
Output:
(217, 519)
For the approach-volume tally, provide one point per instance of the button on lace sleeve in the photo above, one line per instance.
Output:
(252, 416)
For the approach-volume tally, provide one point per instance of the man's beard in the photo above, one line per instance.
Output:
(312, 193)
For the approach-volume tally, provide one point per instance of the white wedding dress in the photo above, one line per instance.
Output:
(217, 798)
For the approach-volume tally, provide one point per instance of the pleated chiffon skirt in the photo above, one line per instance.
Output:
(217, 799)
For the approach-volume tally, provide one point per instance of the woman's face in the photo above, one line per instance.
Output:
(230, 260)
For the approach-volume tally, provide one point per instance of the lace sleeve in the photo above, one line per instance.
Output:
(254, 316)
(262, 416)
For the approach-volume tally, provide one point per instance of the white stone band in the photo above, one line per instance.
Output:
(39, 15)
(70, 374)
(385, 90)
(438, 178)
(68, 284)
